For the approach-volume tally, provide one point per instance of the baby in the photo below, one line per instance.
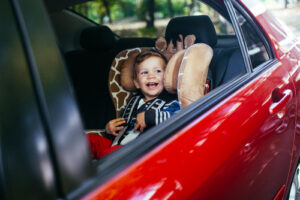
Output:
(150, 106)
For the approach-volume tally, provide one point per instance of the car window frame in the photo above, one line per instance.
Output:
(7, 184)
(253, 72)
(64, 181)
(234, 5)
(117, 161)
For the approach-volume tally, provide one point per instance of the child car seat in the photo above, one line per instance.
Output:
(227, 63)
(185, 74)
(120, 78)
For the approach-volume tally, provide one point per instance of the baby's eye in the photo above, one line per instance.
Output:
(143, 72)
(158, 71)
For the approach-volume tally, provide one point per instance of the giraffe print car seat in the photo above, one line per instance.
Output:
(120, 81)
(121, 86)
(185, 74)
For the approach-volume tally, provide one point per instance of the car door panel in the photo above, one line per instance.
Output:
(287, 50)
(235, 149)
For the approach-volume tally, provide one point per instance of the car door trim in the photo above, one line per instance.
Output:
(257, 28)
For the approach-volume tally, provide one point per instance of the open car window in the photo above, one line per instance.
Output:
(254, 39)
(130, 18)
(99, 47)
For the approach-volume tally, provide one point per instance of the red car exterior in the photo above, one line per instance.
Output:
(240, 141)
(246, 147)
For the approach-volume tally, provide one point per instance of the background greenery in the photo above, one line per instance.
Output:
(149, 17)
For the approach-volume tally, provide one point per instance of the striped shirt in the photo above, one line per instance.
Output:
(156, 111)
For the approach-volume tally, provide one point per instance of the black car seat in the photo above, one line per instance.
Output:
(226, 64)
(88, 69)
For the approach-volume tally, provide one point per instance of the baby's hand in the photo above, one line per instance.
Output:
(115, 125)
(140, 122)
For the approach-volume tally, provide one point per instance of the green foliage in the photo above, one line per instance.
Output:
(124, 14)
(153, 32)
(116, 12)
(161, 7)
(96, 11)
(92, 10)
(141, 10)
(147, 32)
(120, 9)
(178, 6)
(128, 7)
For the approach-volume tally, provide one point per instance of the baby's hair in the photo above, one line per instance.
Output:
(143, 56)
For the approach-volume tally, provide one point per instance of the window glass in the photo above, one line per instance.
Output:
(130, 18)
(255, 46)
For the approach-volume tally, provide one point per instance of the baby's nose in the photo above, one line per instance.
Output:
(151, 75)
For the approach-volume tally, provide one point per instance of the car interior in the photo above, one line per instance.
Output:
(89, 50)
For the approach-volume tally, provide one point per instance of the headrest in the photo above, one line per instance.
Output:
(98, 38)
(186, 73)
(200, 26)
(121, 77)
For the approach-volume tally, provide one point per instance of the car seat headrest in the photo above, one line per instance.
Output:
(120, 78)
(200, 26)
(98, 38)
(186, 73)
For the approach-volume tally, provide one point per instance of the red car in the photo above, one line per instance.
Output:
(240, 141)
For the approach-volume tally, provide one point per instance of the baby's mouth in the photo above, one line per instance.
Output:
(151, 85)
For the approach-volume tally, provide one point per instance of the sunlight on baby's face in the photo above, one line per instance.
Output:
(150, 75)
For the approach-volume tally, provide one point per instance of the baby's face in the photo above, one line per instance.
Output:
(150, 74)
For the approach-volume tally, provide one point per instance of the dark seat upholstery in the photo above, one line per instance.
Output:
(226, 64)
(88, 69)
(201, 26)
(129, 43)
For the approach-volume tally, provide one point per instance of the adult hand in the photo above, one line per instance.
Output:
(140, 122)
(114, 125)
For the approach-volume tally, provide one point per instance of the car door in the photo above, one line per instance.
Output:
(43, 151)
(289, 52)
(239, 146)
(267, 113)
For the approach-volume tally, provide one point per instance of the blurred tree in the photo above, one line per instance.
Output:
(180, 7)
(128, 7)
(170, 8)
(141, 10)
(150, 13)
(107, 4)
(81, 8)
(191, 6)
(286, 2)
